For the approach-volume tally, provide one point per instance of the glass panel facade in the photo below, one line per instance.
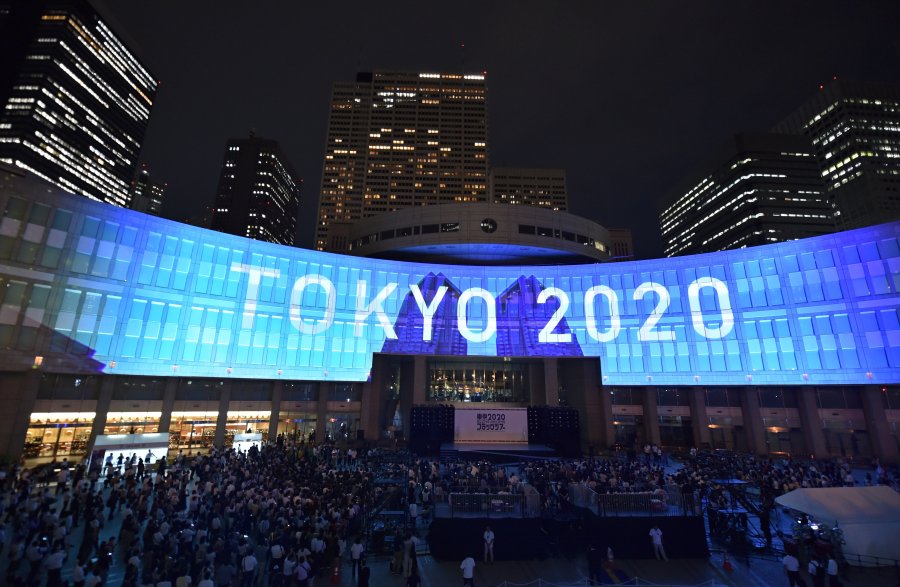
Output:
(673, 396)
(627, 396)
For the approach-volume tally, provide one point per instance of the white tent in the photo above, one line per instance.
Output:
(868, 516)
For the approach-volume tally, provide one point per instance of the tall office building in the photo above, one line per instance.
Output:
(761, 188)
(75, 98)
(397, 140)
(545, 188)
(621, 244)
(147, 195)
(258, 195)
(855, 131)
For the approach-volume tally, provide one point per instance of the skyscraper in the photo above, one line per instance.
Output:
(147, 195)
(397, 140)
(855, 131)
(258, 195)
(532, 187)
(75, 98)
(759, 189)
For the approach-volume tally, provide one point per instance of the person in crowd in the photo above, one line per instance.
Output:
(656, 539)
(467, 566)
(488, 545)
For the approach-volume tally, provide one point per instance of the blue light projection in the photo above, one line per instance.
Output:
(146, 296)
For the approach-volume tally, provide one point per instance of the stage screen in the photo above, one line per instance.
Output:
(132, 294)
(490, 425)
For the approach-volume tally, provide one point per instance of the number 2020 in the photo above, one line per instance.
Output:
(647, 332)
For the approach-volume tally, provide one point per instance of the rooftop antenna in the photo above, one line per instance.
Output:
(462, 56)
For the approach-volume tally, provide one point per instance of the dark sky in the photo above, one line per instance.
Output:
(626, 96)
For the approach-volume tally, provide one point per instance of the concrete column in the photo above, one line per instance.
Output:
(103, 399)
(222, 420)
(699, 419)
(551, 382)
(322, 410)
(587, 397)
(536, 395)
(168, 404)
(651, 416)
(405, 403)
(813, 432)
(753, 424)
(877, 425)
(373, 405)
(419, 380)
(18, 392)
(276, 410)
(606, 418)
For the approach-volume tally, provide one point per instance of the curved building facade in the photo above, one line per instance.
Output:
(488, 234)
(112, 321)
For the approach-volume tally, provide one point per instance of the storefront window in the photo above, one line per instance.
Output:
(247, 420)
(629, 430)
(782, 439)
(847, 438)
(54, 435)
(727, 433)
(676, 431)
(193, 431)
(131, 422)
(460, 381)
(298, 426)
(341, 427)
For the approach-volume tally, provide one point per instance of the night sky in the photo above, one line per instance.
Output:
(627, 97)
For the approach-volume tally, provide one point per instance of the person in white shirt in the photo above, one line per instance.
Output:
(792, 568)
(488, 545)
(206, 581)
(468, 571)
(248, 568)
(656, 538)
(832, 570)
(356, 552)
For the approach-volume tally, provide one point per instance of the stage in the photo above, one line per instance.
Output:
(496, 451)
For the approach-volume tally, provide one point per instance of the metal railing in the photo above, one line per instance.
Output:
(497, 505)
(633, 504)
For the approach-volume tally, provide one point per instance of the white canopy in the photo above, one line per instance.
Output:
(868, 516)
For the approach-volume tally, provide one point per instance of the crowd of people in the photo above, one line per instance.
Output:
(275, 516)
(285, 513)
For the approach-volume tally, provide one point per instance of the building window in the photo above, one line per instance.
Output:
(526, 229)
(450, 227)
(489, 225)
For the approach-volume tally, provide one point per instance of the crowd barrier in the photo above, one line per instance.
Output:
(633, 504)
(486, 505)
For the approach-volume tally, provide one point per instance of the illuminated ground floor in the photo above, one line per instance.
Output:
(46, 416)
